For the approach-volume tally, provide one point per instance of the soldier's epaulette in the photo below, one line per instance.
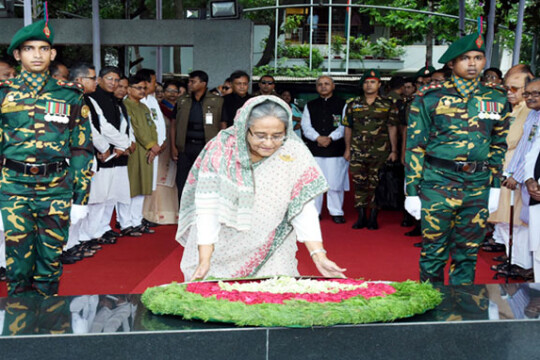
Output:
(6, 83)
(495, 86)
(350, 100)
(70, 85)
(428, 88)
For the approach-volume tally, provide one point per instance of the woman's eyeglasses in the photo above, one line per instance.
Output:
(273, 138)
(225, 88)
(533, 94)
(264, 82)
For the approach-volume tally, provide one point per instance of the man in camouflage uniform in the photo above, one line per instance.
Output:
(370, 139)
(456, 142)
(46, 153)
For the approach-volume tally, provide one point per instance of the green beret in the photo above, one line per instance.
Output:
(425, 71)
(370, 74)
(472, 42)
(39, 30)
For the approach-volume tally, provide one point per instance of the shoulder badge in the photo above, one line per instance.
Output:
(6, 83)
(71, 85)
(495, 86)
(429, 88)
(85, 111)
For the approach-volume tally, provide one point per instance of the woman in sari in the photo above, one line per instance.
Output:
(249, 197)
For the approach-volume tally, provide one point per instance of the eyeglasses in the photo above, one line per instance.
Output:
(110, 78)
(534, 94)
(263, 137)
(267, 82)
(225, 88)
(172, 91)
(93, 78)
(143, 88)
(513, 89)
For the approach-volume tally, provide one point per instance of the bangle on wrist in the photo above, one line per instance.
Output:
(316, 251)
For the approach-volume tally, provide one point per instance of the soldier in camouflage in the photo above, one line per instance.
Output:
(370, 139)
(46, 154)
(456, 141)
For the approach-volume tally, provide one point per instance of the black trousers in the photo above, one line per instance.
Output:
(186, 159)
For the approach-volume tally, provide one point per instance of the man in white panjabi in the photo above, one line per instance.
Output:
(322, 128)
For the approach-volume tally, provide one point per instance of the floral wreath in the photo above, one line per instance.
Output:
(292, 302)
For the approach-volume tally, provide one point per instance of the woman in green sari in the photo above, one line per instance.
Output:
(249, 197)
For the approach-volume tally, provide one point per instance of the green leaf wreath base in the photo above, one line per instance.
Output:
(410, 298)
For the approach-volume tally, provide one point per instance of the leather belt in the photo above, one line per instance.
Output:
(34, 169)
(469, 167)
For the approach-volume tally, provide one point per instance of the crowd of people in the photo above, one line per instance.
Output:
(183, 153)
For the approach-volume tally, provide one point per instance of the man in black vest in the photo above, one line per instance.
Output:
(323, 132)
(108, 184)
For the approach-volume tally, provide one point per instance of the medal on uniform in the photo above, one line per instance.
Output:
(337, 120)
(57, 112)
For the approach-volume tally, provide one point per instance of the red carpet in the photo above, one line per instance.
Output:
(133, 264)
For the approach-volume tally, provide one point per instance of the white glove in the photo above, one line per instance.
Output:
(413, 205)
(78, 212)
(493, 203)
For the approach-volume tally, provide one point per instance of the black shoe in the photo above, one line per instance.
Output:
(418, 244)
(148, 223)
(67, 258)
(362, 219)
(144, 229)
(3, 274)
(339, 219)
(111, 233)
(415, 232)
(118, 226)
(372, 223)
(407, 220)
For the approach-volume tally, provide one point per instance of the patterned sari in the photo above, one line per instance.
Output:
(255, 203)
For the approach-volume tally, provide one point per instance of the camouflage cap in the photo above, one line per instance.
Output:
(370, 74)
(40, 30)
(472, 42)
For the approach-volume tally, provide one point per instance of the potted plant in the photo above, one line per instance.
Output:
(388, 48)
(337, 45)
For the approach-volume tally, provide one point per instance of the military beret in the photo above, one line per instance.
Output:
(40, 30)
(370, 74)
(425, 71)
(471, 42)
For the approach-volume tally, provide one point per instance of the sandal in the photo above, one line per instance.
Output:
(500, 258)
(494, 248)
(145, 229)
(131, 231)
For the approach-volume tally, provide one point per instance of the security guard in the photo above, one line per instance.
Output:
(370, 139)
(456, 141)
(46, 154)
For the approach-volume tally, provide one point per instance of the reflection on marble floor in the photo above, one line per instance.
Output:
(92, 314)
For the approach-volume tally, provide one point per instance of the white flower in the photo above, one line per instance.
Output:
(281, 285)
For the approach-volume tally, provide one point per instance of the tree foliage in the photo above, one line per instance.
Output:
(413, 26)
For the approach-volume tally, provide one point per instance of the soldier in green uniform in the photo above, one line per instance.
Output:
(46, 154)
(370, 139)
(456, 141)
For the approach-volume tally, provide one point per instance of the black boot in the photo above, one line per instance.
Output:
(362, 219)
(372, 224)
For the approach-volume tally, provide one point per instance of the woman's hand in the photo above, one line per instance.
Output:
(205, 254)
(201, 271)
(327, 267)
